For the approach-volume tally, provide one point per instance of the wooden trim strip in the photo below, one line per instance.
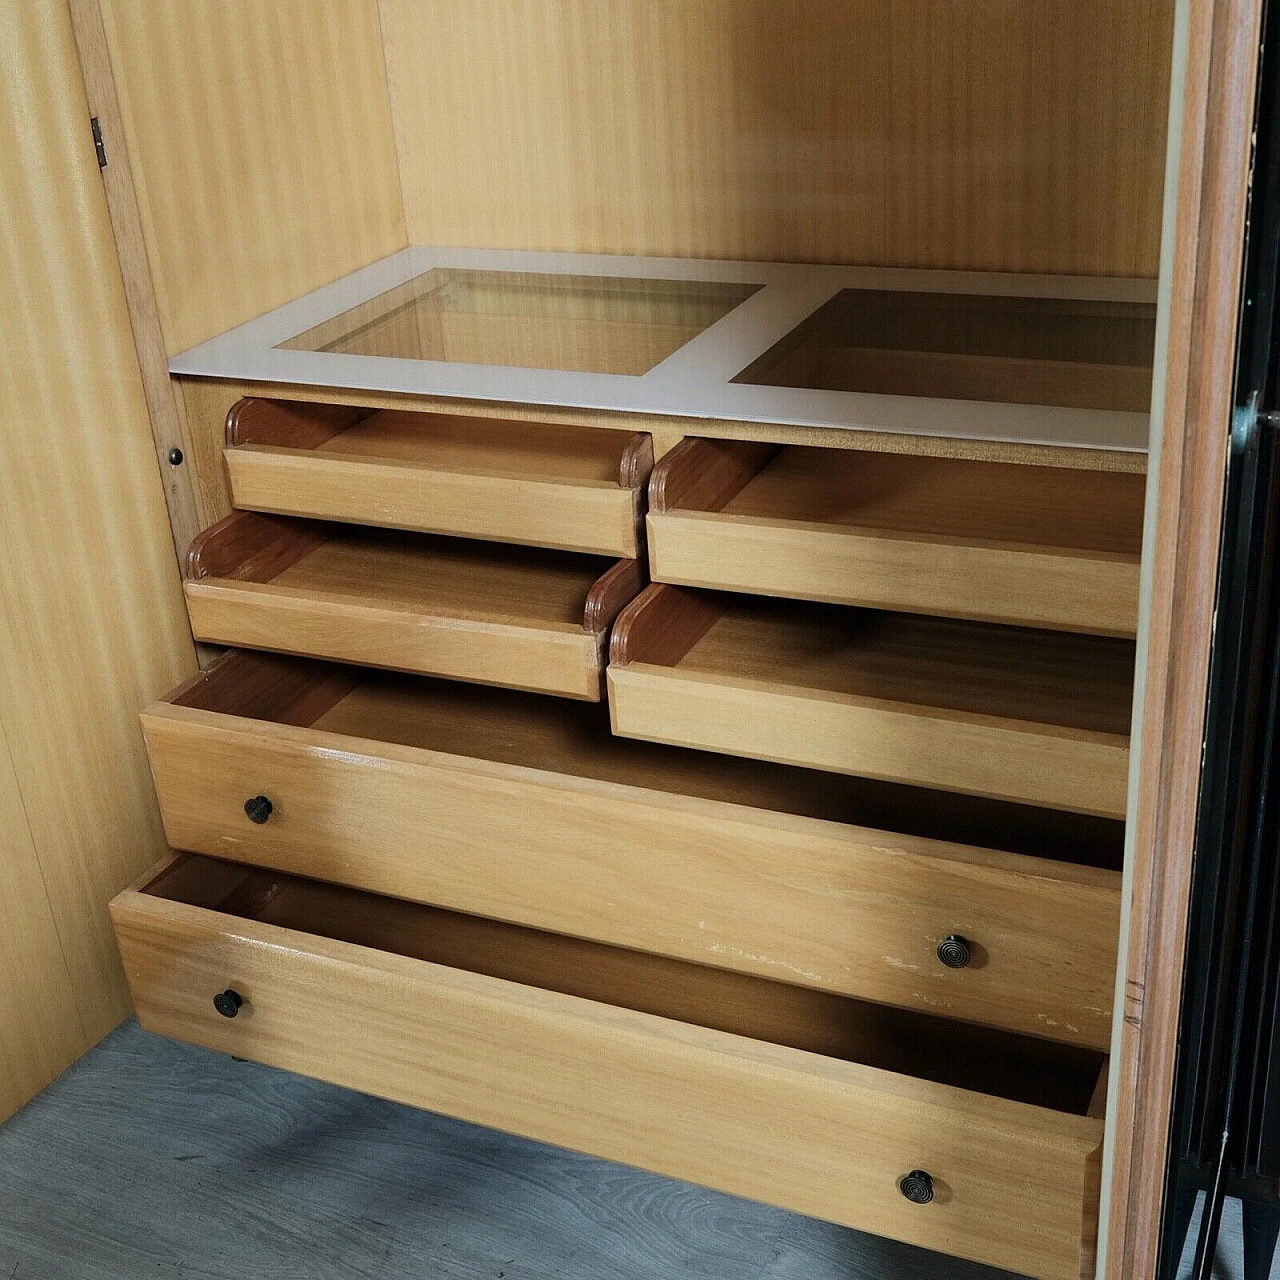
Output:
(168, 425)
(1193, 404)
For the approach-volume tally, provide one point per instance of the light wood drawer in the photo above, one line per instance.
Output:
(797, 1098)
(573, 488)
(527, 809)
(513, 616)
(1015, 714)
(997, 542)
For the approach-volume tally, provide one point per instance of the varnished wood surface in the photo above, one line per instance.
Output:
(515, 616)
(980, 135)
(1194, 393)
(1020, 545)
(605, 1077)
(386, 1192)
(704, 475)
(575, 489)
(91, 621)
(424, 792)
(1042, 718)
(261, 148)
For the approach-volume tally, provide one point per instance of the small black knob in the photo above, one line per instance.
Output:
(175, 457)
(917, 1187)
(953, 951)
(258, 809)
(228, 1003)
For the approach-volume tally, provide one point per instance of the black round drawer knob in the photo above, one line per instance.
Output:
(917, 1187)
(258, 809)
(228, 1003)
(954, 951)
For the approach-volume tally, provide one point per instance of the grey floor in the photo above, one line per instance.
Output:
(151, 1160)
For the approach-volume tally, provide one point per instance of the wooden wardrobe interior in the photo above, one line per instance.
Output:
(268, 148)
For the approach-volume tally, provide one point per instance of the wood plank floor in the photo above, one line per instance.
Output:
(151, 1159)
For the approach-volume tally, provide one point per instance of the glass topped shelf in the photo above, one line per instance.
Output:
(1052, 360)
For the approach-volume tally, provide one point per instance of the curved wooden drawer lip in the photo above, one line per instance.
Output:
(763, 891)
(779, 1124)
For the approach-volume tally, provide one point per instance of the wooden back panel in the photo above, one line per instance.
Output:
(260, 141)
(983, 134)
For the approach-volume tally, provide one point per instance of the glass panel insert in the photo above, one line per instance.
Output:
(1051, 351)
(530, 320)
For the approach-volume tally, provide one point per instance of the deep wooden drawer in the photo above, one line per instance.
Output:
(513, 616)
(1032, 546)
(798, 1098)
(1011, 713)
(574, 488)
(527, 809)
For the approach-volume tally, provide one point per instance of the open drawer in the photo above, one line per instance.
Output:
(973, 1142)
(527, 809)
(514, 616)
(1035, 717)
(573, 488)
(997, 542)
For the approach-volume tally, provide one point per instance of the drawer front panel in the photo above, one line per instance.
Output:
(545, 659)
(1016, 1185)
(1077, 770)
(1026, 586)
(806, 901)
(583, 516)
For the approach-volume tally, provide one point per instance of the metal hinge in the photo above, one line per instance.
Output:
(98, 145)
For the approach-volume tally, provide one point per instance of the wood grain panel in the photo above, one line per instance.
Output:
(260, 142)
(91, 617)
(813, 1133)
(42, 1027)
(983, 134)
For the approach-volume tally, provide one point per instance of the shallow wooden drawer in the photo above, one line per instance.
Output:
(573, 488)
(798, 1098)
(527, 809)
(997, 542)
(1035, 717)
(513, 616)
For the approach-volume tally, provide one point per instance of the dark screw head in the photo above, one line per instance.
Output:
(917, 1187)
(954, 951)
(258, 809)
(228, 1003)
(175, 457)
